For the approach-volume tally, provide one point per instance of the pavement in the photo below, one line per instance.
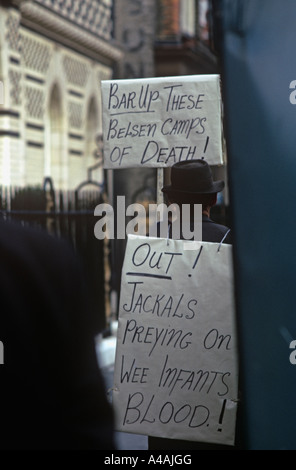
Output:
(106, 348)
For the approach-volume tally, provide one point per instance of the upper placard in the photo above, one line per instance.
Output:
(157, 122)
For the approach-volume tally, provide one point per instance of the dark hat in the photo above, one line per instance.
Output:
(192, 177)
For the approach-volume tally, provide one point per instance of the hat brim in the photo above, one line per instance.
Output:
(216, 187)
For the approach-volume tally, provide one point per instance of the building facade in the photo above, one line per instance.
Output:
(53, 56)
(182, 40)
(159, 38)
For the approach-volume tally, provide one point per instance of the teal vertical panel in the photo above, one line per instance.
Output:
(258, 64)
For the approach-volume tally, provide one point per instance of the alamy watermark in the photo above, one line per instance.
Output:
(155, 220)
(292, 357)
(293, 93)
(1, 353)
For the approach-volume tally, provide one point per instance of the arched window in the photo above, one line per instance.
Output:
(92, 124)
(56, 137)
(91, 144)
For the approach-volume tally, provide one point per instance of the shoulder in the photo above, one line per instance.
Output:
(213, 232)
(27, 243)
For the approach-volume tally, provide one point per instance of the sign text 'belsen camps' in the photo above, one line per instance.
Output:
(175, 369)
(160, 121)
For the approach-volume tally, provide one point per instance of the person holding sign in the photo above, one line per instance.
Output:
(192, 183)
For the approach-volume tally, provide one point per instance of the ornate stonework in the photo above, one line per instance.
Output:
(54, 54)
(70, 33)
(93, 16)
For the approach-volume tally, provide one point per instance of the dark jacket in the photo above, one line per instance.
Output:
(52, 395)
(211, 231)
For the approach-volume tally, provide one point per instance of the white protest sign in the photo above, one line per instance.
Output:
(156, 122)
(176, 372)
